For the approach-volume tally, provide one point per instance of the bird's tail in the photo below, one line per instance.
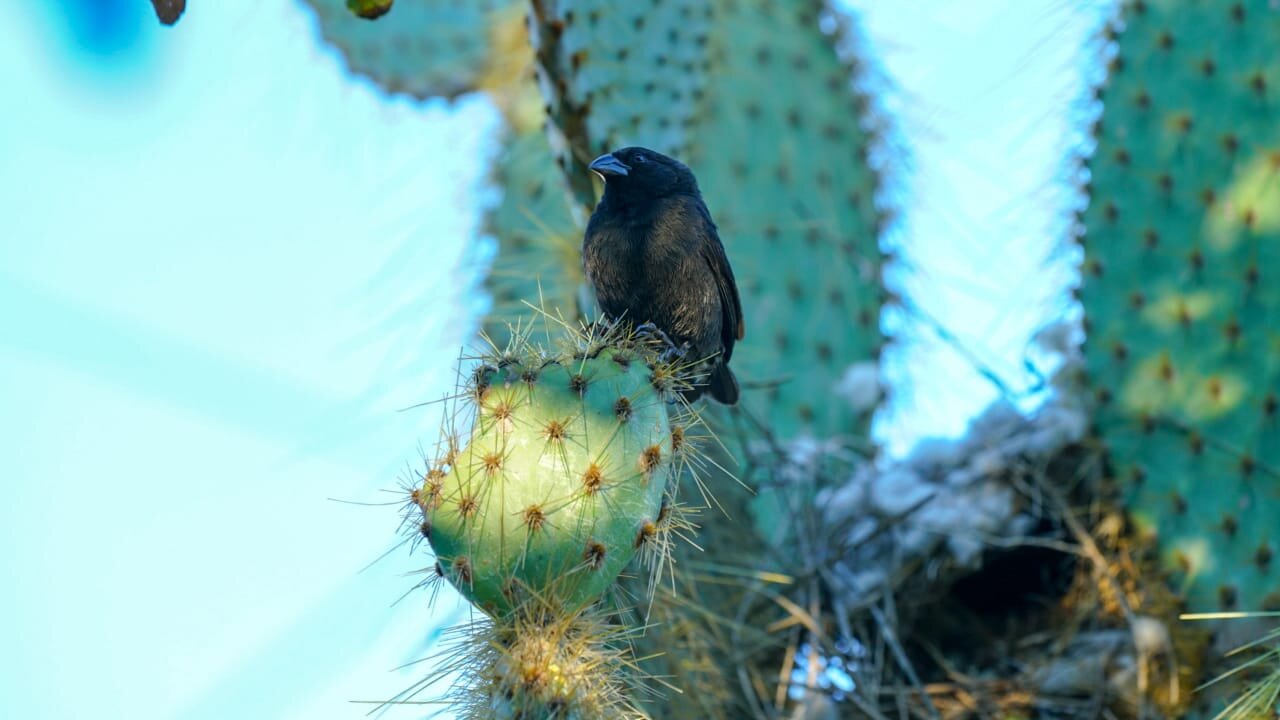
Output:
(723, 385)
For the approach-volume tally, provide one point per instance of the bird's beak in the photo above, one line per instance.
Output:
(608, 165)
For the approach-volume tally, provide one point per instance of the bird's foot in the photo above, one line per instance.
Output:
(673, 354)
(650, 331)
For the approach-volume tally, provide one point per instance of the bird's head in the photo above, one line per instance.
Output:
(636, 173)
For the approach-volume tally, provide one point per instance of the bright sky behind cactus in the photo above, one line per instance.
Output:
(226, 266)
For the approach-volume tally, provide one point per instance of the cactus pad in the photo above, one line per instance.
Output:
(425, 48)
(539, 244)
(1182, 242)
(797, 214)
(616, 74)
(564, 471)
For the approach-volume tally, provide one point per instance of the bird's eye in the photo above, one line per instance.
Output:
(640, 159)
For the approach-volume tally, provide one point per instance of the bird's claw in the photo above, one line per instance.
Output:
(649, 330)
(673, 354)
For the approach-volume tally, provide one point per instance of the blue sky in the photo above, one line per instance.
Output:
(226, 268)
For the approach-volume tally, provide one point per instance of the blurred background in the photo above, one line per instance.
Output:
(230, 275)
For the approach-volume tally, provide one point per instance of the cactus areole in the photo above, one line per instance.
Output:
(567, 463)
(1180, 236)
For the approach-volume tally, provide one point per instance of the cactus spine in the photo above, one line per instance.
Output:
(560, 482)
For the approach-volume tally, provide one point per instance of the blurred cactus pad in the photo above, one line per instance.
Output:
(430, 48)
(1181, 289)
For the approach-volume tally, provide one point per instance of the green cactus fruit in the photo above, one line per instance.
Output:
(1182, 240)
(369, 9)
(797, 214)
(565, 467)
(539, 244)
(426, 48)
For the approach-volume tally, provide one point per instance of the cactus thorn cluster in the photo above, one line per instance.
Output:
(564, 472)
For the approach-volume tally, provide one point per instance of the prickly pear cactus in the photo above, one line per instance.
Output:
(560, 481)
(801, 224)
(613, 72)
(539, 244)
(798, 216)
(543, 663)
(443, 48)
(424, 48)
(1180, 289)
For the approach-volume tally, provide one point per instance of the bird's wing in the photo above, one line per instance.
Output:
(732, 326)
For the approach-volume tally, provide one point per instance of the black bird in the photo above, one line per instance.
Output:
(652, 254)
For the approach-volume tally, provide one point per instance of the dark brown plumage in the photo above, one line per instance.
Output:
(652, 253)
